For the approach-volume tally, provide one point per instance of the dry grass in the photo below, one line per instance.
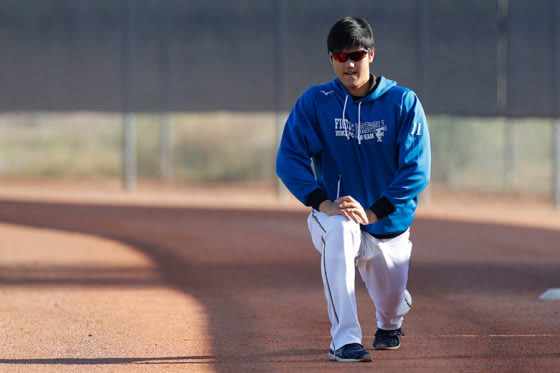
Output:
(468, 153)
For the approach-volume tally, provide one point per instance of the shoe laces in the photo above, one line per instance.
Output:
(353, 346)
(392, 333)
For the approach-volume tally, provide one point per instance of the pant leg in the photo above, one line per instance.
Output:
(383, 266)
(338, 241)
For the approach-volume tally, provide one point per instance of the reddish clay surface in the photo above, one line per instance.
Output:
(254, 290)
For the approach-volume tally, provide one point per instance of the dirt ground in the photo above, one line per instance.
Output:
(224, 279)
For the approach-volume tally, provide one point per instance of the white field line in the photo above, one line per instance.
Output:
(497, 335)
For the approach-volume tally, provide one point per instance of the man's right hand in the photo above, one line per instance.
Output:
(349, 208)
(334, 208)
(330, 208)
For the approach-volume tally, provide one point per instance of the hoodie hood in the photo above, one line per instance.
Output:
(383, 86)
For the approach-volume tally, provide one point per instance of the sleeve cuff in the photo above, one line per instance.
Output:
(315, 198)
(382, 208)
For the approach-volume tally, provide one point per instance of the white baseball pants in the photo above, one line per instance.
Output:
(383, 266)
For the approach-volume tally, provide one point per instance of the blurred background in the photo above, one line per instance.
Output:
(178, 92)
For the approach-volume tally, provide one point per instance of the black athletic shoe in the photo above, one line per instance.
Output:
(387, 339)
(349, 353)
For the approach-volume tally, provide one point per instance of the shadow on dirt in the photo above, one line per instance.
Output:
(246, 266)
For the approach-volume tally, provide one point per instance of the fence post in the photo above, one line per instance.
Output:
(502, 58)
(556, 163)
(281, 118)
(509, 154)
(165, 156)
(165, 147)
(129, 119)
(1, 152)
(129, 151)
(554, 59)
(421, 41)
(279, 76)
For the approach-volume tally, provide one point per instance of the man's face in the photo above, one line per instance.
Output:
(354, 72)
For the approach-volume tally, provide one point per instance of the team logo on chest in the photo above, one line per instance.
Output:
(368, 130)
(379, 130)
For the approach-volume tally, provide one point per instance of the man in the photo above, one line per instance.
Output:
(369, 142)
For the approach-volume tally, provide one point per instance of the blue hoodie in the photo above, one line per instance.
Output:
(378, 144)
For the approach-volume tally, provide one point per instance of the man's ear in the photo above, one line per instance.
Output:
(371, 55)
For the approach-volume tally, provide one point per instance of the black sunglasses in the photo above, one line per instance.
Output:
(354, 56)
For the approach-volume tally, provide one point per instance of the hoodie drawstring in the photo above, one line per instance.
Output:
(345, 122)
(359, 124)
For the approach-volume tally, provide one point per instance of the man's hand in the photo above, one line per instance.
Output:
(349, 208)
(330, 208)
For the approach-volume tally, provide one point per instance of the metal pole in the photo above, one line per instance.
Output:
(1, 152)
(129, 119)
(129, 144)
(421, 42)
(502, 93)
(165, 147)
(509, 153)
(554, 51)
(502, 56)
(281, 116)
(165, 120)
(556, 151)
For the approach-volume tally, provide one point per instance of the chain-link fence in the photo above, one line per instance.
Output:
(200, 85)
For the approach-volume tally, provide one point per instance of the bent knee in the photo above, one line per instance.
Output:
(339, 224)
(344, 233)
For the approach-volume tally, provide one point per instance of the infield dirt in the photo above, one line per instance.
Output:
(217, 279)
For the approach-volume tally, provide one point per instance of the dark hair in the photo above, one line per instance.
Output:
(350, 32)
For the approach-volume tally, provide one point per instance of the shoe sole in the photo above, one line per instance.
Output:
(366, 358)
(383, 347)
